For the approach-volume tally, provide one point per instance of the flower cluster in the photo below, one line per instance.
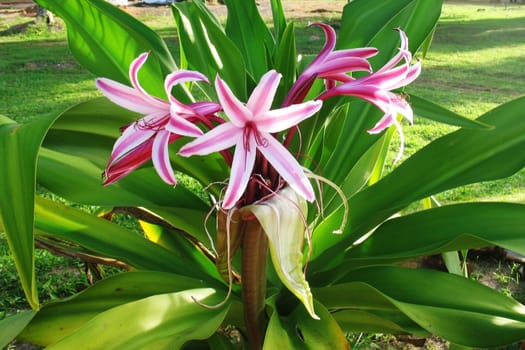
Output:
(251, 127)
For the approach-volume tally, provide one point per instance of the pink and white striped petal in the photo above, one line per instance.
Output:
(128, 98)
(261, 99)
(221, 137)
(179, 77)
(241, 170)
(161, 158)
(284, 118)
(236, 111)
(287, 166)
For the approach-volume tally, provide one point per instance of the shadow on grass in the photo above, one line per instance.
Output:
(482, 33)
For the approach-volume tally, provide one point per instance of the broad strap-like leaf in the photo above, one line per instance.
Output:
(427, 109)
(206, 48)
(19, 145)
(58, 319)
(162, 321)
(366, 23)
(283, 219)
(455, 308)
(448, 228)
(299, 331)
(100, 237)
(105, 40)
(11, 326)
(246, 28)
(463, 157)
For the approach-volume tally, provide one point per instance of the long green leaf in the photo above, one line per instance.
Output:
(19, 145)
(206, 48)
(164, 321)
(105, 40)
(455, 227)
(432, 111)
(248, 31)
(11, 326)
(455, 308)
(103, 238)
(61, 318)
(299, 331)
(367, 23)
(460, 158)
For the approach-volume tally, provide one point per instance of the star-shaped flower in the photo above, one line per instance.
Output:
(163, 122)
(249, 129)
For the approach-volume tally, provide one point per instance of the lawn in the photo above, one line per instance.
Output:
(475, 63)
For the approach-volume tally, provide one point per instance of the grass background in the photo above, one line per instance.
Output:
(476, 62)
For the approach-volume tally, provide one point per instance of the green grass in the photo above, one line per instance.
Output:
(475, 63)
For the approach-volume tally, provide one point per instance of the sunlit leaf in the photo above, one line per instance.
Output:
(19, 145)
(61, 318)
(163, 321)
(455, 308)
(105, 40)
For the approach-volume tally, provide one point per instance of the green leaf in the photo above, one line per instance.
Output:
(206, 48)
(353, 321)
(283, 219)
(19, 146)
(366, 23)
(106, 40)
(463, 157)
(187, 248)
(279, 19)
(11, 326)
(448, 228)
(285, 62)
(103, 238)
(455, 308)
(299, 331)
(164, 321)
(432, 111)
(58, 319)
(246, 28)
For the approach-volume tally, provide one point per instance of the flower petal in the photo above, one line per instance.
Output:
(180, 126)
(343, 65)
(128, 98)
(283, 118)
(261, 99)
(236, 111)
(130, 139)
(161, 158)
(134, 78)
(329, 44)
(127, 163)
(205, 108)
(287, 166)
(241, 170)
(221, 137)
(179, 77)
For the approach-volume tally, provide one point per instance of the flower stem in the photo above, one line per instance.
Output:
(254, 255)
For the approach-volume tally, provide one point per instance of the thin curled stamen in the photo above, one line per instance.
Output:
(341, 195)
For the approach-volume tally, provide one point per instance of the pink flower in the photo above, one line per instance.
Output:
(249, 129)
(163, 122)
(331, 65)
(375, 88)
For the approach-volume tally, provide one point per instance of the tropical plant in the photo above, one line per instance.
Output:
(312, 196)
